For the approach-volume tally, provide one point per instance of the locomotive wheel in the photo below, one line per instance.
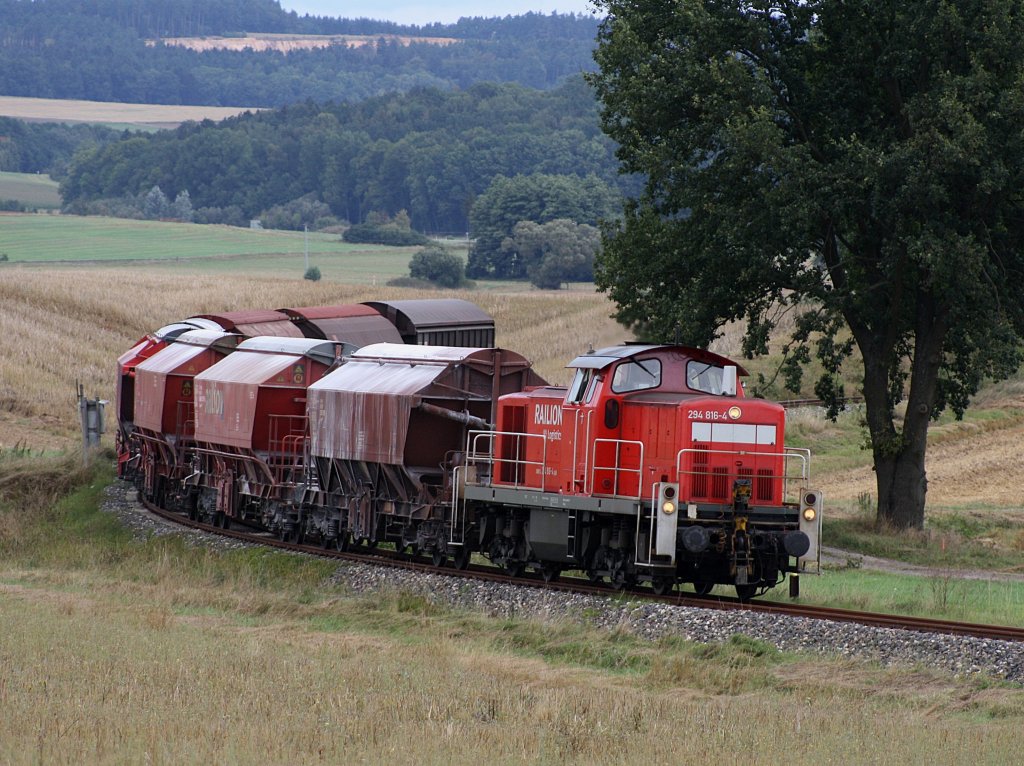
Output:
(662, 585)
(746, 592)
(702, 588)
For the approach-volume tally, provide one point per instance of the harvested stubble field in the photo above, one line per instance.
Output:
(110, 113)
(61, 325)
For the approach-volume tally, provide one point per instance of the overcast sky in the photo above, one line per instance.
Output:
(426, 11)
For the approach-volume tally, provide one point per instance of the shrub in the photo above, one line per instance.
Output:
(312, 274)
(306, 210)
(381, 230)
(383, 234)
(438, 265)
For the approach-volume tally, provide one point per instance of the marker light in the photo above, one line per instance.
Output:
(809, 514)
(668, 507)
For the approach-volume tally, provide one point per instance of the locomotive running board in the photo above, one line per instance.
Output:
(523, 498)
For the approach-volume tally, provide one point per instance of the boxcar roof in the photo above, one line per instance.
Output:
(172, 358)
(437, 312)
(417, 354)
(364, 377)
(323, 351)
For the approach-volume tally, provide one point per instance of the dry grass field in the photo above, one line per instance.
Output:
(95, 672)
(110, 113)
(59, 325)
(62, 325)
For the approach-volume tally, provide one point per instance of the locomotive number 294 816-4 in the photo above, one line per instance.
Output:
(707, 415)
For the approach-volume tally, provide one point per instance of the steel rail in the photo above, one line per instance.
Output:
(579, 586)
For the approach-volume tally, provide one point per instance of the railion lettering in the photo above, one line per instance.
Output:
(547, 415)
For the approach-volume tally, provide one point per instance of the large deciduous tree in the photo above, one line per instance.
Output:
(858, 164)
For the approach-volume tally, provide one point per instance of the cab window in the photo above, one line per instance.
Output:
(578, 387)
(636, 375)
(701, 376)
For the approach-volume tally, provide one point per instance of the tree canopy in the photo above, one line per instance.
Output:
(428, 152)
(536, 197)
(857, 165)
(555, 252)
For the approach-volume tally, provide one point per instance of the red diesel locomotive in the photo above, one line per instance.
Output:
(651, 467)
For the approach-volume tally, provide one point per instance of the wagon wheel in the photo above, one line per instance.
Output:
(663, 585)
(621, 579)
(514, 568)
(550, 572)
(595, 577)
(462, 557)
(438, 558)
(703, 588)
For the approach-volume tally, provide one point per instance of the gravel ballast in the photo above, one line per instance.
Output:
(956, 654)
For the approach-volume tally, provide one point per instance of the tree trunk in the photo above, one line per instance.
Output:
(902, 485)
(899, 454)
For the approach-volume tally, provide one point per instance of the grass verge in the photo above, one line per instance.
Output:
(120, 650)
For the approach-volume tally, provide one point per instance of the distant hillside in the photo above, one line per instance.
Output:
(427, 152)
(98, 51)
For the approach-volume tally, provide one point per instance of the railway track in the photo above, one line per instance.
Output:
(405, 561)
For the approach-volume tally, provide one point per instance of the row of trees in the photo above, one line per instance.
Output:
(431, 153)
(98, 51)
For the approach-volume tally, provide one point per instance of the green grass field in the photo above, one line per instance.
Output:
(193, 248)
(30, 189)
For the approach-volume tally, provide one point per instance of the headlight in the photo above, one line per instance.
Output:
(668, 507)
(809, 514)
